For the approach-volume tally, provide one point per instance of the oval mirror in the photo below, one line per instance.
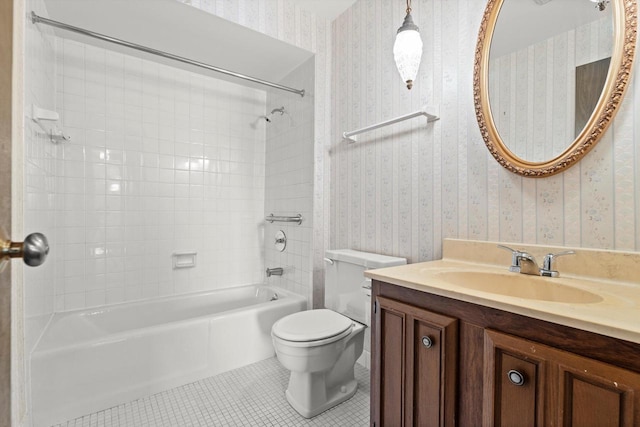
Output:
(549, 76)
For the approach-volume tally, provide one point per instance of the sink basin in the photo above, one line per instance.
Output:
(520, 286)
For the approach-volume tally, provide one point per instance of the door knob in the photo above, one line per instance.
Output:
(33, 250)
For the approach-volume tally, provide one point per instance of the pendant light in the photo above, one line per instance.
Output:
(407, 50)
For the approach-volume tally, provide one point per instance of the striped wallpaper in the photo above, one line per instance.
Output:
(400, 190)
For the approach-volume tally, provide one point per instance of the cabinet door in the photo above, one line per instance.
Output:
(560, 388)
(417, 365)
(514, 382)
(593, 393)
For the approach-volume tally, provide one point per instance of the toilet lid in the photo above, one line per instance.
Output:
(311, 325)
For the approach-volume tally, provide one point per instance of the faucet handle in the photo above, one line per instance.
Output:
(507, 248)
(547, 264)
(515, 258)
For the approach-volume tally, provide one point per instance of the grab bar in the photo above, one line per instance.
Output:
(281, 218)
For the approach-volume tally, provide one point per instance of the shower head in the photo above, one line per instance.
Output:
(275, 110)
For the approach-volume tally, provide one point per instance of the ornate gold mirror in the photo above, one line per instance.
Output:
(549, 76)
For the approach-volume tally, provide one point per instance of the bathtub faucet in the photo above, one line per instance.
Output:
(274, 271)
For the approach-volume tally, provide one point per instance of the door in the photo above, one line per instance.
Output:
(6, 55)
(35, 248)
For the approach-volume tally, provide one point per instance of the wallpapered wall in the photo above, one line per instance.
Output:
(402, 189)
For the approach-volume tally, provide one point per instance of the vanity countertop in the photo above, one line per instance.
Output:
(610, 280)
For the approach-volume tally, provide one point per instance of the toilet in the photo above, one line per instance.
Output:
(320, 347)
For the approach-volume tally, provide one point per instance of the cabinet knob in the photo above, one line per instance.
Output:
(427, 342)
(516, 377)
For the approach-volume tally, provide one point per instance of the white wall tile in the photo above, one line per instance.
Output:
(288, 189)
(129, 186)
(288, 23)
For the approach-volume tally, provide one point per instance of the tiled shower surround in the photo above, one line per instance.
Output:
(118, 199)
(289, 181)
(165, 160)
(161, 160)
(286, 21)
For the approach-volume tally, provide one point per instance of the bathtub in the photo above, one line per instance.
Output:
(93, 359)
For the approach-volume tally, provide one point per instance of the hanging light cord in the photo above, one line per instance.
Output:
(408, 7)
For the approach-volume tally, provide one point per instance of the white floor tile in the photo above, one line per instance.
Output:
(249, 396)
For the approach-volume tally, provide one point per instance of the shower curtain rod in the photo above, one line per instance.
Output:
(39, 19)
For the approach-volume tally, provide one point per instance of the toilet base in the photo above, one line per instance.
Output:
(335, 396)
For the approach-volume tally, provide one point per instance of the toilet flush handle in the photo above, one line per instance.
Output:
(367, 284)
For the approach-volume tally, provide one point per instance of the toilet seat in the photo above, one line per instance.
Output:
(312, 327)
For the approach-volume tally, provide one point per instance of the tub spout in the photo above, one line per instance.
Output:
(275, 271)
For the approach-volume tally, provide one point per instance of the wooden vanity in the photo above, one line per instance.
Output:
(445, 357)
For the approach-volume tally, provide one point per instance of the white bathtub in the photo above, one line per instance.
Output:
(89, 360)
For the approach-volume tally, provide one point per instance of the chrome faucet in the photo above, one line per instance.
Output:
(547, 264)
(525, 263)
(522, 262)
(275, 271)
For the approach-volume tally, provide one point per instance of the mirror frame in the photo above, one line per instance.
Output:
(625, 34)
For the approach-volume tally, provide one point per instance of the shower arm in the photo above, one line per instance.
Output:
(39, 19)
(275, 110)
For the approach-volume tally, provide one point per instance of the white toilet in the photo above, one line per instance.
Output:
(320, 347)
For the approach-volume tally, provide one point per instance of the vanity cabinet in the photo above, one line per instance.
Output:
(486, 367)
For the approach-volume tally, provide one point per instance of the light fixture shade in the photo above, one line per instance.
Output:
(407, 50)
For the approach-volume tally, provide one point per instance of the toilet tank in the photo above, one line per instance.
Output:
(345, 287)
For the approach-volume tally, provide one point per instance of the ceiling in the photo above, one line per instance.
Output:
(182, 30)
(327, 9)
(522, 23)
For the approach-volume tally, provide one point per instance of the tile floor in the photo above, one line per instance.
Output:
(249, 396)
